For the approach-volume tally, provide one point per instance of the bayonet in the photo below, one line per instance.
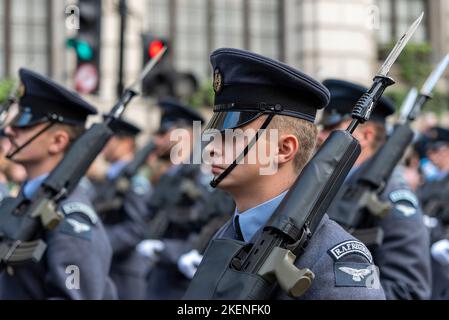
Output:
(427, 88)
(396, 51)
(435, 76)
(148, 67)
(135, 88)
(365, 106)
(407, 105)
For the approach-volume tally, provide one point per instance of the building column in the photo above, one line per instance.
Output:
(332, 38)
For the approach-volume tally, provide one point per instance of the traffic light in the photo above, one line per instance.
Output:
(151, 46)
(160, 81)
(87, 45)
(164, 80)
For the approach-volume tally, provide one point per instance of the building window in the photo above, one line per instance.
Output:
(158, 18)
(227, 23)
(191, 34)
(395, 18)
(264, 27)
(2, 39)
(28, 31)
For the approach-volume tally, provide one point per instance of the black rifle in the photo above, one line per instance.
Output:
(111, 195)
(363, 196)
(232, 269)
(22, 220)
(176, 200)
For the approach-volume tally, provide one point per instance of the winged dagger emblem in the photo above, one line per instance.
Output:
(78, 227)
(357, 274)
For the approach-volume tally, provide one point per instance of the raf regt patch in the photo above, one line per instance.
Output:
(350, 247)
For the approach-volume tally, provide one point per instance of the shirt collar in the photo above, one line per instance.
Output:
(115, 168)
(253, 219)
(31, 186)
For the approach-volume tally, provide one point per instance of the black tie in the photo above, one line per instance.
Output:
(238, 231)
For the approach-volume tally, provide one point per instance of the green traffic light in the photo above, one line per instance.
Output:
(84, 50)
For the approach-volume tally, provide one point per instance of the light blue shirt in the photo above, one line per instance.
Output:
(440, 175)
(30, 187)
(255, 218)
(430, 171)
(115, 169)
(4, 192)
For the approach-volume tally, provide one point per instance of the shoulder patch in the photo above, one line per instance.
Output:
(404, 195)
(350, 247)
(350, 274)
(76, 228)
(405, 202)
(140, 185)
(79, 207)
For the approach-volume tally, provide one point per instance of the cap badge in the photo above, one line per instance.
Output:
(21, 90)
(218, 81)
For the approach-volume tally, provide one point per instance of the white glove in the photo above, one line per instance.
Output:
(440, 252)
(189, 262)
(150, 248)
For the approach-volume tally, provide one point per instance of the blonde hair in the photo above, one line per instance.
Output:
(305, 131)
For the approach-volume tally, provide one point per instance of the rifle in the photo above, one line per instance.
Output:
(22, 220)
(174, 199)
(112, 198)
(363, 195)
(232, 269)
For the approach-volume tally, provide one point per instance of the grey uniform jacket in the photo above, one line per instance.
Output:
(342, 265)
(125, 228)
(75, 264)
(403, 257)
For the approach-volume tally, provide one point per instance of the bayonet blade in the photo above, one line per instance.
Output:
(394, 54)
(408, 105)
(435, 76)
(148, 67)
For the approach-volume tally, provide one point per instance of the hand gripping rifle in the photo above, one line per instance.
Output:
(363, 195)
(232, 269)
(22, 220)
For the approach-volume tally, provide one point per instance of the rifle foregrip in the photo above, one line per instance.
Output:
(311, 194)
(387, 158)
(78, 159)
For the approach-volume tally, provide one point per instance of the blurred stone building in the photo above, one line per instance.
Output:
(325, 38)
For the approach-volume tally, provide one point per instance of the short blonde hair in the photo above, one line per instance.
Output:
(305, 131)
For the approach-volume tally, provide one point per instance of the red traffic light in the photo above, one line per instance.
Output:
(155, 47)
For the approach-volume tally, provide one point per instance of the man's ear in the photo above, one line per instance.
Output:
(366, 135)
(60, 140)
(288, 146)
